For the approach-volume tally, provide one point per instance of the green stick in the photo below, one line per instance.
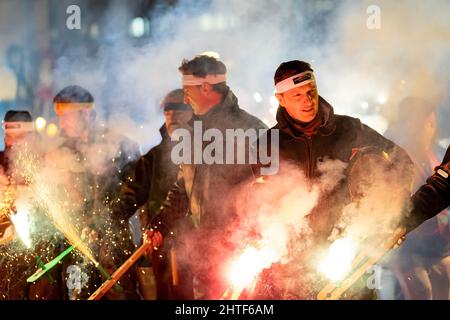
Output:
(50, 265)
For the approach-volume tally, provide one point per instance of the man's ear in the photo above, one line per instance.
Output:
(280, 98)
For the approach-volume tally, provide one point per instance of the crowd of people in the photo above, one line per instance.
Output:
(198, 215)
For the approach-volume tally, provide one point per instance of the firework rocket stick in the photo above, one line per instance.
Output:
(117, 286)
(42, 265)
(173, 266)
(50, 265)
(349, 281)
(104, 288)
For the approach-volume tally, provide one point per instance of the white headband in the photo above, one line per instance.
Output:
(191, 80)
(19, 126)
(297, 80)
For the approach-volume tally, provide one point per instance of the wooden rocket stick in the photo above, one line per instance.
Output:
(108, 284)
(334, 292)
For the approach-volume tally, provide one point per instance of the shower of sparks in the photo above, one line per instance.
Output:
(21, 221)
(244, 270)
(54, 208)
(338, 260)
(7, 200)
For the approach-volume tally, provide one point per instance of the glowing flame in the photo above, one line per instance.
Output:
(338, 260)
(21, 221)
(244, 270)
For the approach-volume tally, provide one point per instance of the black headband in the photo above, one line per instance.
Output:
(177, 106)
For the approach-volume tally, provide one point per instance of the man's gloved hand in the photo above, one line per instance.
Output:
(153, 237)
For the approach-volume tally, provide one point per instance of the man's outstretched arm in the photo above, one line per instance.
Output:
(432, 197)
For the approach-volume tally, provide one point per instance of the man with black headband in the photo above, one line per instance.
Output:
(154, 175)
(206, 193)
(310, 133)
(102, 160)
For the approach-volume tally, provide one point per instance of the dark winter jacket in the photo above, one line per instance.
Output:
(153, 176)
(338, 138)
(207, 191)
(104, 162)
(204, 197)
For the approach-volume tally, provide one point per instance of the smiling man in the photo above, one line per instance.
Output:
(310, 131)
(310, 134)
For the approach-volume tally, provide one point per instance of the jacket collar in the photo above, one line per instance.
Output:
(328, 126)
(164, 133)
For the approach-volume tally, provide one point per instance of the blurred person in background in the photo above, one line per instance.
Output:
(206, 193)
(153, 176)
(93, 182)
(422, 264)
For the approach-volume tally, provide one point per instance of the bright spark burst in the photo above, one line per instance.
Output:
(250, 263)
(21, 221)
(54, 208)
(338, 260)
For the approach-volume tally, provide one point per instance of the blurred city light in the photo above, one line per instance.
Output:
(139, 27)
(364, 105)
(274, 102)
(382, 99)
(40, 123)
(52, 130)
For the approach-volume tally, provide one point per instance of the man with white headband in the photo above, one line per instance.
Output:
(17, 127)
(206, 193)
(15, 265)
(311, 134)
